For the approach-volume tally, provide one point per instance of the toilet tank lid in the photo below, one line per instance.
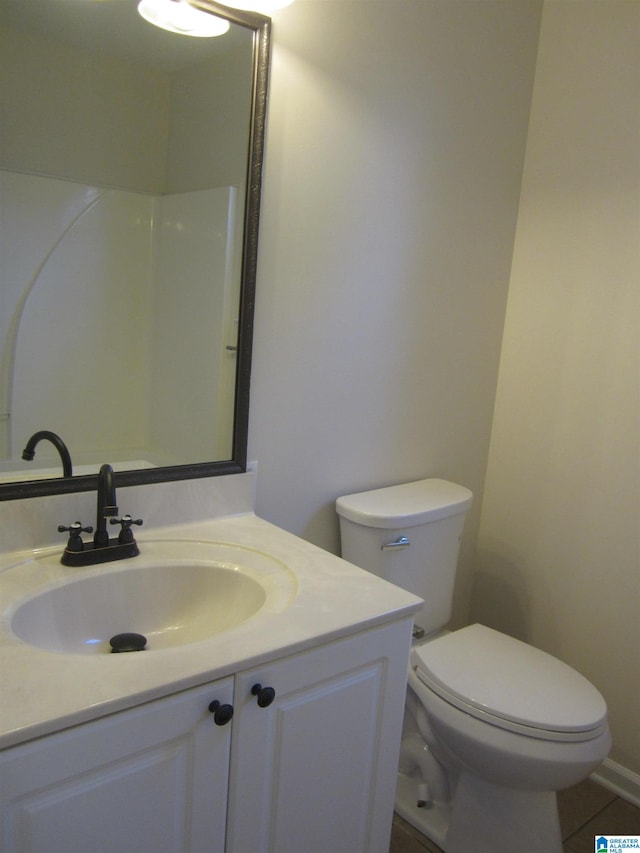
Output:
(406, 505)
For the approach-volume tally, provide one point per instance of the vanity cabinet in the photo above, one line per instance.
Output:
(315, 770)
(310, 769)
(152, 779)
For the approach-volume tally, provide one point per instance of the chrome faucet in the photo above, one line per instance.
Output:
(30, 449)
(107, 506)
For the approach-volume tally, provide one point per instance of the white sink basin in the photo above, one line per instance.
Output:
(174, 593)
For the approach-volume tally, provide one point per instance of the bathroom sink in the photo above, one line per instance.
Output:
(175, 593)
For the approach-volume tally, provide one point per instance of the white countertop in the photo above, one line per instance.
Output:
(42, 691)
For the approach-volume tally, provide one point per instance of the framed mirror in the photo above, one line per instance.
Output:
(130, 176)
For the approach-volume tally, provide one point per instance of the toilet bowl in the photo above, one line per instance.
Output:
(493, 727)
(506, 725)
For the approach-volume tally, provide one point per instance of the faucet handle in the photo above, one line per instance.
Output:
(126, 534)
(74, 530)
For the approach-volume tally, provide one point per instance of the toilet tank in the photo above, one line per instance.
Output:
(409, 535)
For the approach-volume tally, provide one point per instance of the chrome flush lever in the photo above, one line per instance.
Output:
(398, 544)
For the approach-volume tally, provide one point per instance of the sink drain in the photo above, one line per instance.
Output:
(127, 643)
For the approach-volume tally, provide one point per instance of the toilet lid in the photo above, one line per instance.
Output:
(500, 679)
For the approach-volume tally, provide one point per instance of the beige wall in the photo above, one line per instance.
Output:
(210, 113)
(108, 128)
(395, 143)
(559, 548)
(97, 119)
(394, 160)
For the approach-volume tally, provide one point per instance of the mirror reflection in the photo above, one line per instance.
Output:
(123, 179)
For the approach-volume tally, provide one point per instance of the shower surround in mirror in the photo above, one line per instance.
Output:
(153, 380)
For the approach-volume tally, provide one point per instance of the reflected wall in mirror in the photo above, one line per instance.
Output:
(130, 168)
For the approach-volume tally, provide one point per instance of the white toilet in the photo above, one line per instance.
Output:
(493, 727)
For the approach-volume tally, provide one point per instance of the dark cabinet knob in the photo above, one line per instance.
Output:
(221, 713)
(265, 695)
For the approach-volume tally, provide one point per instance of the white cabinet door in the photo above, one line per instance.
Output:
(149, 780)
(315, 771)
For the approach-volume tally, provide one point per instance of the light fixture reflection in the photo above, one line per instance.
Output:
(177, 16)
(265, 7)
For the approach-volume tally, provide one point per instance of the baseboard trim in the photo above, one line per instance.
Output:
(625, 783)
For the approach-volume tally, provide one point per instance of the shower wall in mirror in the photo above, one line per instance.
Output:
(123, 181)
(156, 275)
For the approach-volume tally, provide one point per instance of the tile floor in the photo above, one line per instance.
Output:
(586, 810)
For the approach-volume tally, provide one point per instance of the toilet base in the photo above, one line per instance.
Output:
(485, 818)
(432, 822)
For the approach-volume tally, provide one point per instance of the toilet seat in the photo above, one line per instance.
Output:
(510, 684)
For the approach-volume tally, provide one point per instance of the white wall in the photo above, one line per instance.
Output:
(395, 144)
(559, 548)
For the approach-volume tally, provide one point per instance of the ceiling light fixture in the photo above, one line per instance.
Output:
(178, 16)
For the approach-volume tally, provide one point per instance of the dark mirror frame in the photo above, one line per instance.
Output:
(261, 27)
